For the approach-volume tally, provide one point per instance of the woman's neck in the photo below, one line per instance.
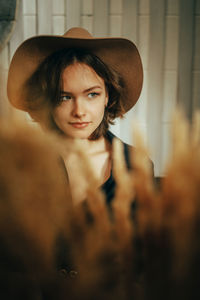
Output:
(92, 147)
(98, 157)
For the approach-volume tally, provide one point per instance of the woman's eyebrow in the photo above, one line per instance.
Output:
(92, 88)
(65, 92)
(85, 91)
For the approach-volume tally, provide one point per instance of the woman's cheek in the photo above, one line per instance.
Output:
(100, 108)
(61, 112)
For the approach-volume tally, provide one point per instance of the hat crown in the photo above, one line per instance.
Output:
(77, 33)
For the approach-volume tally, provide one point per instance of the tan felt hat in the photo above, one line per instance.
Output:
(119, 53)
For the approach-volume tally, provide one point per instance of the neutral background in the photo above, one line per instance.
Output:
(167, 33)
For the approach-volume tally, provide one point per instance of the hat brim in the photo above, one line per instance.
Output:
(119, 53)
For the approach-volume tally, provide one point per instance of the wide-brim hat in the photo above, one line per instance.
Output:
(118, 53)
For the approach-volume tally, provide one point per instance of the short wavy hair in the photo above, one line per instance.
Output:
(45, 85)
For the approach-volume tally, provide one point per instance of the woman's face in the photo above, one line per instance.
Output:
(83, 101)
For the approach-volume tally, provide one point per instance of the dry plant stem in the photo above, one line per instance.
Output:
(124, 195)
(181, 190)
(183, 162)
(180, 134)
(123, 224)
(149, 212)
(195, 140)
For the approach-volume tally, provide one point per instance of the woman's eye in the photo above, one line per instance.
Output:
(65, 98)
(93, 95)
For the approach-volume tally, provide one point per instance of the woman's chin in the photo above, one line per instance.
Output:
(78, 135)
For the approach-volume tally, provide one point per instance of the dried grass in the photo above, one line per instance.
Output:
(107, 251)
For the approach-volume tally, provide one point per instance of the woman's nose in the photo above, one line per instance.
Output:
(78, 108)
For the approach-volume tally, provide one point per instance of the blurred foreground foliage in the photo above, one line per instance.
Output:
(153, 254)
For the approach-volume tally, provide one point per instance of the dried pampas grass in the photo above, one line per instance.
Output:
(34, 203)
(154, 255)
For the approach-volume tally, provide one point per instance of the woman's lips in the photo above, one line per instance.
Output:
(79, 124)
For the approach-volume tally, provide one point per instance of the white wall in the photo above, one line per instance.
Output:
(167, 33)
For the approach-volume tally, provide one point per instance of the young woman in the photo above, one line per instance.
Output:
(77, 85)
